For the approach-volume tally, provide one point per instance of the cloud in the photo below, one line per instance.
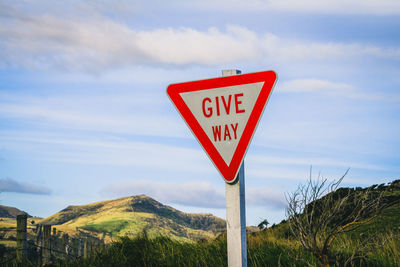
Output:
(11, 185)
(276, 173)
(371, 7)
(146, 124)
(195, 194)
(265, 197)
(108, 152)
(123, 8)
(333, 88)
(98, 43)
(125, 113)
(316, 161)
(314, 85)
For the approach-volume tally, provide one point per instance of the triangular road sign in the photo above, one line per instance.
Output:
(223, 114)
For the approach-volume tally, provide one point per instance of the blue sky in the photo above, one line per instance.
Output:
(84, 115)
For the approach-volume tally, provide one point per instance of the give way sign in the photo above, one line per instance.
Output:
(223, 114)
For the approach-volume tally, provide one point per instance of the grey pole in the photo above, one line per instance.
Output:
(236, 213)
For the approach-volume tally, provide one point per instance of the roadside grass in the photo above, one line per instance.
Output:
(263, 250)
(269, 247)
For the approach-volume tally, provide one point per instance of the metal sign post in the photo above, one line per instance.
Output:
(236, 221)
(236, 213)
(223, 114)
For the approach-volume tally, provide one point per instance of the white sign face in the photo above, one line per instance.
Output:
(223, 113)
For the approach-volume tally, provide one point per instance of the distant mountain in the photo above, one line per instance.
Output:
(133, 215)
(10, 212)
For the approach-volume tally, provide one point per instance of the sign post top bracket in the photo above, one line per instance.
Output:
(231, 72)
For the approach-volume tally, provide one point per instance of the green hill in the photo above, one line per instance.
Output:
(387, 220)
(10, 212)
(129, 216)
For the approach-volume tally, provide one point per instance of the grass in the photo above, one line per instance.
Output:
(163, 251)
(381, 249)
(112, 226)
(9, 243)
(270, 247)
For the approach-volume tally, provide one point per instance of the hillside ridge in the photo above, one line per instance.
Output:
(11, 212)
(131, 215)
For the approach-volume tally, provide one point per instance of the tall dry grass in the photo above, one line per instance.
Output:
(265, 248)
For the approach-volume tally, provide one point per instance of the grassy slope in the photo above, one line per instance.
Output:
(10, 212)
(8, 230)
(387, 221)
(130, 216)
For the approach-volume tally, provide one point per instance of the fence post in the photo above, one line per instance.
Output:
(46, 253)
(80, 252)
(90, 246)
(39, 242)
(102, 244)
(66, 245)
(75, 246)
(54, 244)
(21, 237)
(71, 246)
(85, 248)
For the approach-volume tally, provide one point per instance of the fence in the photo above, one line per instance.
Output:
(47, 244)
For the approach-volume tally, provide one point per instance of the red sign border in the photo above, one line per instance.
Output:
(229, 173)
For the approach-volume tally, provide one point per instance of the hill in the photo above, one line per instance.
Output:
(273, 246)
(129, 216)
(387, 220)
(10, 212)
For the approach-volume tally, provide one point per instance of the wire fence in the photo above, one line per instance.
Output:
(45, 244)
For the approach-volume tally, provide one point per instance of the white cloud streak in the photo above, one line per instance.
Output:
(102, 113)
(371, 7)
(109, 152)
(333, 89)
(270, 197)
(195, 194)
(124, 8)
(314, 85)
(97, 43)
(11, 185)
(310, 161)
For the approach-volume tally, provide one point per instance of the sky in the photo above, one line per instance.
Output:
(84, 114)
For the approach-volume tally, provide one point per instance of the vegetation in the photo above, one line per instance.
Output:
(316, 220)
(263, 224)
(319, 213)
(269, 247)
(10, 212)
(374, 242)
(264, 250)
(131, 215)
